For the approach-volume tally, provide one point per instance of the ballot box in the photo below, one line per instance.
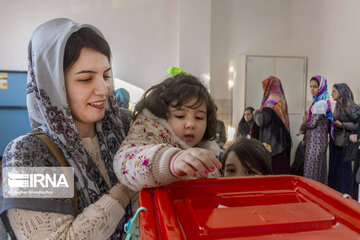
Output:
(260, 207)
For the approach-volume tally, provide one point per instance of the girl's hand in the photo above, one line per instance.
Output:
(195, 160)
(338, 124)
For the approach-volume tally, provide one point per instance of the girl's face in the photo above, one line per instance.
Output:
(335, 94)
(88, 84)
(314, 88)
(248, 115)
(234, 168)
(189, 124)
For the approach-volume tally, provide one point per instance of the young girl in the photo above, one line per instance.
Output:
(246, 157)
(170, 136)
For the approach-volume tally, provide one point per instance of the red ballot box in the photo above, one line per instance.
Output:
(266, 207)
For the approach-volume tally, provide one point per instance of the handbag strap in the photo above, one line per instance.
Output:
(59, 156)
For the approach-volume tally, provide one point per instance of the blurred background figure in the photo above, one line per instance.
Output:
(220, 134)
(273, 126)
(123, 97)
(316, 130)
(245, 123)
(346, 114)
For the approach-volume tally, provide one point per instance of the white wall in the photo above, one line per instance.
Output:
(143, 34)
(325, 31)
(246, 27)
(194, 38)
(328, 32)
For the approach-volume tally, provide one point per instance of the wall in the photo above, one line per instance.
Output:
(194, 38)
(245, 27)
(328, 32)
(143, 34)
(325, 31)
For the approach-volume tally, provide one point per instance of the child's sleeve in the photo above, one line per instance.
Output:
(144, 156)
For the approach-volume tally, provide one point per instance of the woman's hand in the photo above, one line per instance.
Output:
(305, 116)
(193, 160)
(353, 138)
(121, 193)
(338, 124)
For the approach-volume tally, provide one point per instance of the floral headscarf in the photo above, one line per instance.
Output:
(274, 98)
(322, 94)
(49, 112)
(346, 110)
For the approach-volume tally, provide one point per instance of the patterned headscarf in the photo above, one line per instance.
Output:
(49, 112)
(323, 94)
(274, 98)
(346, 110)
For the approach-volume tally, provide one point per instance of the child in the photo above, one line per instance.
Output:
(171, 136)
(246, 157)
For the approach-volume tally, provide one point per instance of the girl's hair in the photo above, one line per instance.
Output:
(84, 38)
(176, 91)
(252, 155)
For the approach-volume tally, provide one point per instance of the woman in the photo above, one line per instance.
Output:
(274, 127)
(346, 114)
(245, 123)
(355, 138)
(71, 100)
(316, 129)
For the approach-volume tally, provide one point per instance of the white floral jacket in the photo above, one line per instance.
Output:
(143, 160)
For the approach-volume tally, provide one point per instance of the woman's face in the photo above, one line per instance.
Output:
(335, 94)
(314, 88)
(88, 84)
(248, 115)
(234, 168)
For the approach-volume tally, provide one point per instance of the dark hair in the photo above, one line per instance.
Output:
(315, 79)
(179, 89)
(252, 155)
(84, 38)
(251, 109)
(243, 127)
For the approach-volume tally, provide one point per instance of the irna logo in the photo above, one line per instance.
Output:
(37, 180)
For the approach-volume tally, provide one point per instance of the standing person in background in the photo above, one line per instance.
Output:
(220, 134)
(245, 123)
(346, 114)
(274, 127)
(70, 98)
(355, 138)
(316, 130)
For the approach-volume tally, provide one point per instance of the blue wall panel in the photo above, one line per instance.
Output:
(14, 119)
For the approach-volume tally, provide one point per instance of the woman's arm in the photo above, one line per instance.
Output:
(262, 119)
(98, 221)
(350, 126)
(312, 123)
